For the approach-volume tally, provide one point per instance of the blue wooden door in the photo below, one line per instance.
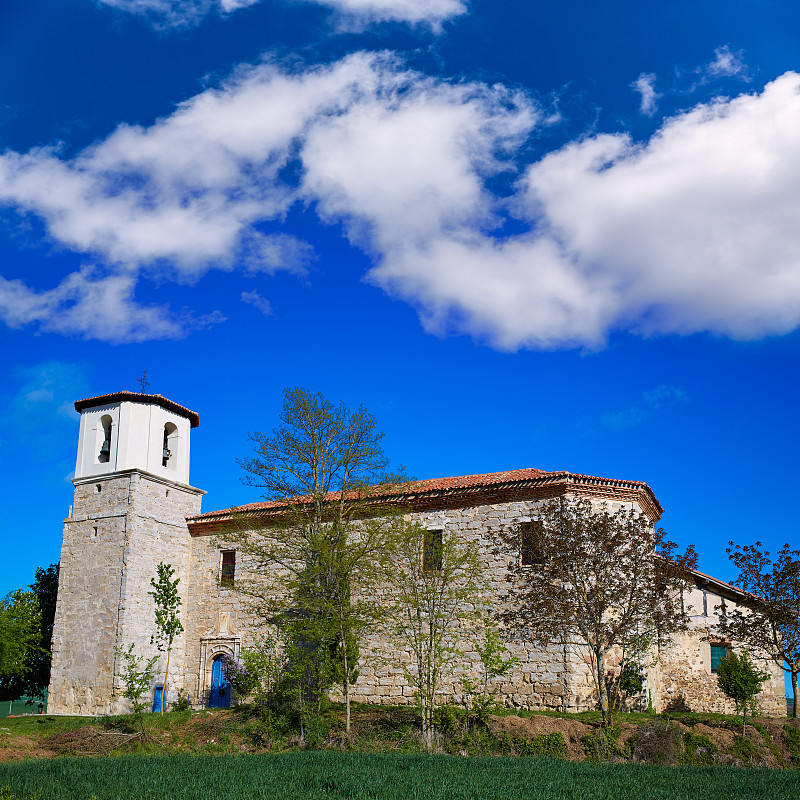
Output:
(157, 699)
(220, 695)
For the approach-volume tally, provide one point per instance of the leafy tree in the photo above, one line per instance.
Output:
(256, 671)
(495, 661)
(740, 681)
(769, 620)
(312, 551)
(432, 586)
(20, 631)
(168, 623)
(136, 679)
(603, 581)
(34, 677)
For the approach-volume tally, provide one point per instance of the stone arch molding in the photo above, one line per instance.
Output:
(222, 639)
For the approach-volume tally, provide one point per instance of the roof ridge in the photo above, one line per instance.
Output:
(430, 485)
(156, 399)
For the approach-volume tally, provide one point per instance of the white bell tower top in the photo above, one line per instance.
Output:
(129, 430)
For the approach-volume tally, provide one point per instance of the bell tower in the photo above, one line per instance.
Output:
(132, 497)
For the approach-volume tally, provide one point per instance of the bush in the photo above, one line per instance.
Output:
(741, 681)
(658, 742)
(446, 719)
(316, 730)
(698, 750)
(793, 743)
(548, 744)
(744, 750)
(602, 746)
(182, 703)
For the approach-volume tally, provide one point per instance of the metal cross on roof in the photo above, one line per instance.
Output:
(144, 383)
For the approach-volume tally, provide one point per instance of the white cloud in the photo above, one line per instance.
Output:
(727, 64)
(260, 303)
(359, 13)
(692, 231)
(94, 307)
(166, 13)
(187, 189)
(353, 13)
(645, 85)
(192, 191)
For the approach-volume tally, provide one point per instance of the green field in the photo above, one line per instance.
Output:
(329, 776)
(20, 706)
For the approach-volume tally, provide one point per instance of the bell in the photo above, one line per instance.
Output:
(106, 448)
(166, 455)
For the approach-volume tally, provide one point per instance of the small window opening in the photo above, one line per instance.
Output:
(705, 604)
(166, 494)
(530, 546)
(99, 487)
(105, 448)
(432, 551)
(718, 652)
(94, 533)
(228, 571)
(168, 457)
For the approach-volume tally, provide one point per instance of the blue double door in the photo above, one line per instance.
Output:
(220, 692)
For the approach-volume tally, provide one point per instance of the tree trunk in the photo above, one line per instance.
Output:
(794, 693)
(346, 692)
(164, 689)
(601, 688)
(427, 725)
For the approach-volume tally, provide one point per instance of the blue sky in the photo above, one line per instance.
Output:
(553, 235)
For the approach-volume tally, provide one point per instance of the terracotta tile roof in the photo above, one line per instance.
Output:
(138, 397)
(472, 484)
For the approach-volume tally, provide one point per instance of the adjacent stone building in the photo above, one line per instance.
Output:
(134, 507)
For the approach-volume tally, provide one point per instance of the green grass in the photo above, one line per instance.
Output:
(336, 776)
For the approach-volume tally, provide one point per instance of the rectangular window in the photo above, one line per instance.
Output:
(228, 567)
(718, 652)
(530, 544)
(432, 551)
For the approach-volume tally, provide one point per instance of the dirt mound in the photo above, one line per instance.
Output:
(20, 748)
(528, 727)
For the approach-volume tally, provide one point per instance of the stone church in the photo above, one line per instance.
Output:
(135, 507)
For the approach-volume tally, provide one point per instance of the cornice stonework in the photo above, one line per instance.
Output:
(418, 497)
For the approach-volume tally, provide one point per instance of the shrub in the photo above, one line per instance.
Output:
(547, 744)
(741, 681)
(793, 743)
(602, 746)
(698, 749)
(182, 703)
(658, 742)
(743, 749)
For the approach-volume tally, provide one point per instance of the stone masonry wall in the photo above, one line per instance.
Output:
(87, 609)
(553, 677)
(686, 682)
(117, 535)
(122, 525)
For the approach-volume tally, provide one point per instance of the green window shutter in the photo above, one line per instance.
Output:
(717, 654)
